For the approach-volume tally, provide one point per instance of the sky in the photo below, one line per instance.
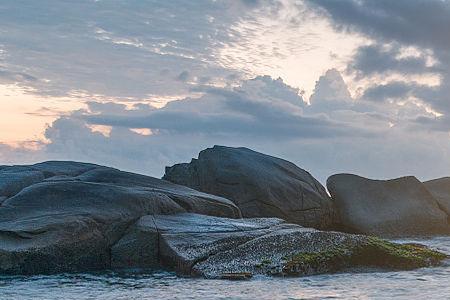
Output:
(355, 86)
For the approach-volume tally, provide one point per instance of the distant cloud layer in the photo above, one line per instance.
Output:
(384, 113)
(331, 134)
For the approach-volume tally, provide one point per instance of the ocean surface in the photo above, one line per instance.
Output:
(427, 283)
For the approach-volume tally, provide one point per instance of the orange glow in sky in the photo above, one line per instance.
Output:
(23, 117)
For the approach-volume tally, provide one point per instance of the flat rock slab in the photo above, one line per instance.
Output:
(163, 238)
(260, 185)
(65, 221)
(211, 247)
(397, 207)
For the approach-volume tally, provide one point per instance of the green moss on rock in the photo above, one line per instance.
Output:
(382, 253)
(372, 252)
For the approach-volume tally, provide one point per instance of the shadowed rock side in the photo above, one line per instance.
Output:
(440, 189)
(397, 207)
(68, 215)
(260, 185)
(212, 247)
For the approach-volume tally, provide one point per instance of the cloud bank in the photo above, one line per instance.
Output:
(384, 114)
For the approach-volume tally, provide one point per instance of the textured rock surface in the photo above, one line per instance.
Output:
(214, 247)
(397, 207)
(91, 217)
(70, 220)
(260, 185)
(440, 189)
(13, 180)
(165, 237)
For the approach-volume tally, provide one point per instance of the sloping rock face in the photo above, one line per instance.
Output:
(13, 180)
(66, 216)
(440, 189)
(397, 207)
(260, 185)
(211, 247)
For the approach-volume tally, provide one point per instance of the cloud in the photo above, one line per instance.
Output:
(406, 21)
(377, 120)
(373, 59)
(398, 90)
(8, 76)
(25, 152)
(264, 114)
(183, 76)
(116, 48)
(395, 27)
(260, 108)
(331, 93)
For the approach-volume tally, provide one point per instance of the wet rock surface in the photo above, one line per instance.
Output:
(260, 185)
(69, 221)
(211, 247)
(397, 207)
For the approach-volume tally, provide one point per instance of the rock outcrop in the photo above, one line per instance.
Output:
(260, 185)
(68, 215)
(211, 247)
(440, 189)
(75, 217)
(397, 207)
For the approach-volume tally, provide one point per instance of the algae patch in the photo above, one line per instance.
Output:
(373, 252)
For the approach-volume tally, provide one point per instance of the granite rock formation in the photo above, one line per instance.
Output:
(65, 216)
(397, 207)
(260, 185)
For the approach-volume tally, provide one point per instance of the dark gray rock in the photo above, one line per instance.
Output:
(138, 248)
(95, 218)
(260, 185)
(189, 199)
(68, 168)
(198, 245)
(397, 207)
(440, 189)
(70, 224)
(13, 180)
(155, 239)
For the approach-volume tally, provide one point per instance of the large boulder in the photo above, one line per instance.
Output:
(70, 220)
(397, 207)
(440, 189)
(94, 218)
(260, 185)
(211, 247)
(13, 180)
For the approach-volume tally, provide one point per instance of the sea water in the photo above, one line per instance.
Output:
(426, 283)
